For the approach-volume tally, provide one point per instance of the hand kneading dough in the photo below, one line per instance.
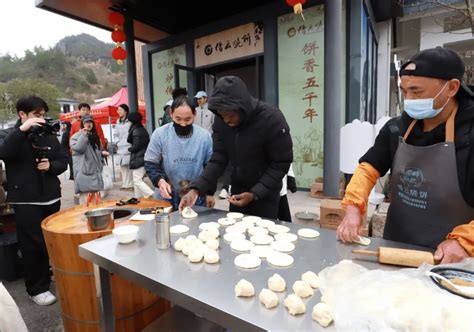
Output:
(302, 289)
(322, 314)
(311, 278)
(178, 245)
(268, 298)
(276, 283)
(211, 256)
(244, 288)
(294, 304)
(188, 213)
(195, 255)
(212, 244)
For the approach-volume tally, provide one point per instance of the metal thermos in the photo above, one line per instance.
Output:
(162, 222)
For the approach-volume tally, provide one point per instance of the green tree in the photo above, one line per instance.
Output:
(24, 87)
(7, 107)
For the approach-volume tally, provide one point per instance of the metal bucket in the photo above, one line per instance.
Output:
(100, 219)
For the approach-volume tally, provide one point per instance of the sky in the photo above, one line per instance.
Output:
(23, 26)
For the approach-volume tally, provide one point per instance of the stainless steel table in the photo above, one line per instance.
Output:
(208, 290)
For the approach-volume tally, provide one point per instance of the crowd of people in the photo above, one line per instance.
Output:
(249, 140)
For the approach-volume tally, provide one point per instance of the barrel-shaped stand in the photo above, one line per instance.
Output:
(134, 307)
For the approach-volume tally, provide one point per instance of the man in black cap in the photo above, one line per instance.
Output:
(429, 151)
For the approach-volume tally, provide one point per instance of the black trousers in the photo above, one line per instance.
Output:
(265, 208)
(284, 213)
(32, 246)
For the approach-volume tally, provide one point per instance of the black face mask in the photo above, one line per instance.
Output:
(183, 130)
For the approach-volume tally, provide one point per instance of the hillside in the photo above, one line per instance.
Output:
(80, 67)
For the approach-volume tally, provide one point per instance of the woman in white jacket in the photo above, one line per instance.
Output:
(123, 154)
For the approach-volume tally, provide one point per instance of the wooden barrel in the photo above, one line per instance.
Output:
(134, 307)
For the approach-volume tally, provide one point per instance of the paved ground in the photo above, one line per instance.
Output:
(48, 318)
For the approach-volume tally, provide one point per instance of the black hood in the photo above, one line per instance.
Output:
(231, 94)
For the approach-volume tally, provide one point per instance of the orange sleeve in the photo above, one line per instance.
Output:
(464, 234)
(360, 186)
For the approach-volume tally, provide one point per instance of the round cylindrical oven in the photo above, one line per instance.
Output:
(134, 307)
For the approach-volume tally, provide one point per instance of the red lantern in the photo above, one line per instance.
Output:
(118, 36)
(116, 18)
(119, 54)
(297, 6)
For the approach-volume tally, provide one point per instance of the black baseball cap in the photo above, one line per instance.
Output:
(439, 62)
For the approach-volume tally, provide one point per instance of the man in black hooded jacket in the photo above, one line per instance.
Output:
(254, 138)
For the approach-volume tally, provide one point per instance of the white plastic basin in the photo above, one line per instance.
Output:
(126, 234)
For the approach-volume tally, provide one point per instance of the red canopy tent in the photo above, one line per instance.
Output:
(102, 111)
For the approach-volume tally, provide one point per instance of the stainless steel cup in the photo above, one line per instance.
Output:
(162, 222)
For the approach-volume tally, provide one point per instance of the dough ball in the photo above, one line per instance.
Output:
(212, 244)
(311, 278)
(178, 245)
(190, 245)
(195, 255)
(191, 237)
(210, 233)
(302, 289)
(276, 283)
(294, 304)
(244, 288)
(268, 298)
(322, 314)
(211, 256)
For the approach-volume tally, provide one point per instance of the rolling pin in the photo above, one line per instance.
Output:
(402, 257)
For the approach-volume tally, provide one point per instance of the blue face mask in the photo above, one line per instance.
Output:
(423, 108)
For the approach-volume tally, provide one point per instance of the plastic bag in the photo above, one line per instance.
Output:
(402, 300)
(107, 177)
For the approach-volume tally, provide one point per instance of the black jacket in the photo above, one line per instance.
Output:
(259, 150)
(25, 182)
(382, 153)
(139, 138)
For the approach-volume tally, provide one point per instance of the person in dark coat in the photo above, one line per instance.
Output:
(254, 138)
(138, 137)
(65, 144)
(34, 158)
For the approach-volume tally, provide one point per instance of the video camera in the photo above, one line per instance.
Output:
(50, 127)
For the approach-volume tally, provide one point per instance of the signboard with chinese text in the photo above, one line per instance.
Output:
(238, 42)
(301, 87)
(162, 64)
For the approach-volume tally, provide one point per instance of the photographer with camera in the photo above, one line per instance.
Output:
(34, 158)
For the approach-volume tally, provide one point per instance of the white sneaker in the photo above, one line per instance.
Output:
(223, 194)
(45, 298)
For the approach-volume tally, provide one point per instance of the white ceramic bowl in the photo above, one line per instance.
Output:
(126, 234)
